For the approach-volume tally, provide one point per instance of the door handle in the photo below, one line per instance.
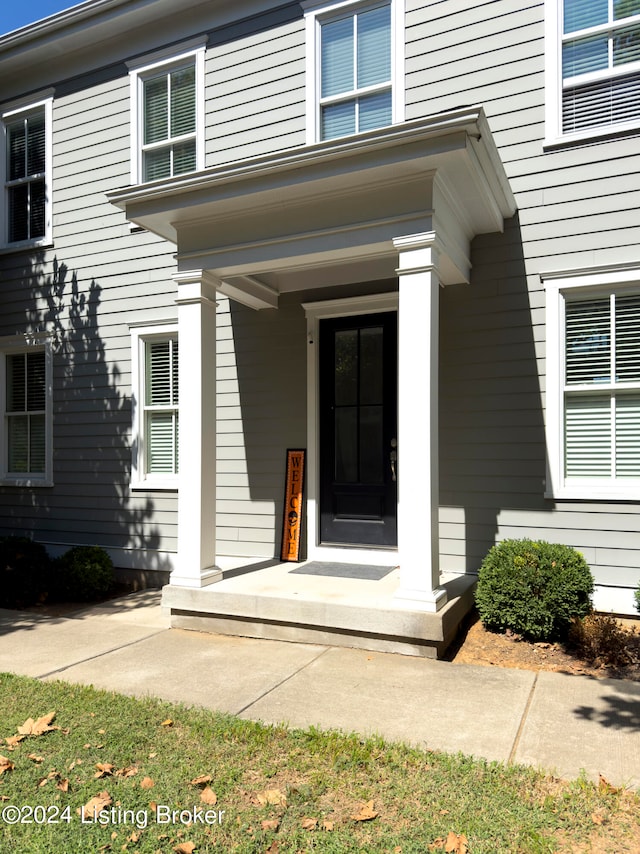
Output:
(393, 457)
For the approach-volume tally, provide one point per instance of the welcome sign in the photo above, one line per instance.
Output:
(292, 521)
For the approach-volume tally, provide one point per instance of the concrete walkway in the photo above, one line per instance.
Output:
(563, 724)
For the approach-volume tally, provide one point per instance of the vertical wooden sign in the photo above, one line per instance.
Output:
(292, 522)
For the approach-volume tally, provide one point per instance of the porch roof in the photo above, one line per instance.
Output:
(332, 209)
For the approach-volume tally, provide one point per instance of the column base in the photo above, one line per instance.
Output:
(423, 600)
(207, 576)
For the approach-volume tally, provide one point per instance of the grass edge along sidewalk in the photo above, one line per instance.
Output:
(86, 770)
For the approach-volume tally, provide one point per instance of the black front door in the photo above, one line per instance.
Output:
(358, 418)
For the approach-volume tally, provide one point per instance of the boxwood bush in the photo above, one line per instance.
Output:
(84, 573)
(24, 572)
(533, 588)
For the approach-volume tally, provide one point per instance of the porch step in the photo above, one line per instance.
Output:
(271, 603)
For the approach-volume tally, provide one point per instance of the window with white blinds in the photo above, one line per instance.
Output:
(169, 123)
(355, 53)
(600, 63)
(355, 71)
(26, 410)
(601, 389)
(161, 407)
(24, 167)
(155, 407)
(167, 103)
(25, 413)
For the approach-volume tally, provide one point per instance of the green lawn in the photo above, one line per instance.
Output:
(169, 778)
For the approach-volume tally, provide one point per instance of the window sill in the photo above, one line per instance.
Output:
(592, 135)
(154, 485)
(25, 246)
(25, 481)
(594, 493)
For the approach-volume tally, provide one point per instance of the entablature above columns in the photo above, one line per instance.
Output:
(333, 210)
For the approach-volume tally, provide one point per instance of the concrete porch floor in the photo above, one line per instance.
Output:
(267, 599)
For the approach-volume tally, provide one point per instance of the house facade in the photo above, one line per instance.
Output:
(402, 236)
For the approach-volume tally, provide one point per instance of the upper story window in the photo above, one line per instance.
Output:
(593, 387)
(354, 67)
(597, 60)
(167, 98)
(25, 377)
(26, 170)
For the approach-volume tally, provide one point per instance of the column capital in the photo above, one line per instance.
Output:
(418, 253)
(195, 286)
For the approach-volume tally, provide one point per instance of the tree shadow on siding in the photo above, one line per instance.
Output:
(90, 502)
(493, 456)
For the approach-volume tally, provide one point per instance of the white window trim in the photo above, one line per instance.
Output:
(147, 66)
(593, 282)
(139, 337)
(8, 113)
(316, 11)
(553, 84)
(20, 344)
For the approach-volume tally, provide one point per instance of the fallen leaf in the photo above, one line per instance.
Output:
(366, 813)
(185, 848)
(105, 769)
(169, 722)
(6, 764)
(92, 807)
(202, 780)
(208, 796)
(270, 824)
(35, 758)
(63, 785)
(101, 731)
(147, 783)
(605, 786)
(130, 771)
(327, 825)
(39, 727)
(597, 819)
(14, 740)
(273, 797)
(274, 848)
(309, 823)
(456, 843)
(134, 837)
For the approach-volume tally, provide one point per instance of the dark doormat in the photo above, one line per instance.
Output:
(343, 570)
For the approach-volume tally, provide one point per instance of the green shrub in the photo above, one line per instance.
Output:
(637, 595)
(24, 572)
(84, 573)
(533, 589)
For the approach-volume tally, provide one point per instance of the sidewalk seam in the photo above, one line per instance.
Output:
(523, 721)
(99, 655)
(282, 681)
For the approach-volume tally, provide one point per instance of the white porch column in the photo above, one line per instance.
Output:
(418, 488)
(196, 302)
